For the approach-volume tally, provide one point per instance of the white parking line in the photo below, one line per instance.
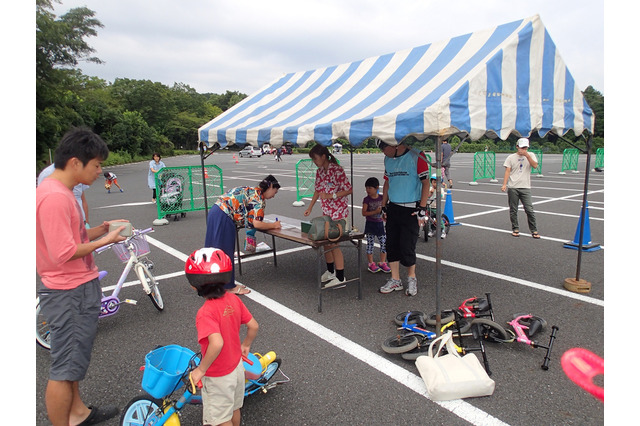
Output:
(412, 381)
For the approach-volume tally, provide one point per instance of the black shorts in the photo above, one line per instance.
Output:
(73, 320)
(402, 234)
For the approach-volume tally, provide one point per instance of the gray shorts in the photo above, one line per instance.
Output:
(73, 320)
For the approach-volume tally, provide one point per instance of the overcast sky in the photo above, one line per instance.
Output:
(243, 45)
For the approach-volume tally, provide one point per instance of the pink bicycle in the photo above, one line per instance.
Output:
(525, 327)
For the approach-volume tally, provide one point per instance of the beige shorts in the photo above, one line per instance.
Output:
(221, 396)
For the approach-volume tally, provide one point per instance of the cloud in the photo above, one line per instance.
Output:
(214, 46)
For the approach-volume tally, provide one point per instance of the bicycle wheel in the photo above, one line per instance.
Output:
(414, 317)
(140, 411)
(399, 344)
(431, 319)
(489, 330)
(150, 286)
(43, 334)
(264, 378)
(447, 225)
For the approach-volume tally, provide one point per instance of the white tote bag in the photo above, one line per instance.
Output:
(451, 376)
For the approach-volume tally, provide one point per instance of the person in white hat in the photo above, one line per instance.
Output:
(517, 183)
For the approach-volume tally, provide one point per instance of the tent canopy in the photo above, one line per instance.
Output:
(507, 79)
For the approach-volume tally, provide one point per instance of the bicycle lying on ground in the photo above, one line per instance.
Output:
(413, 339)
(133, 252)
(169, 366)
(491, 331)
(473, 307)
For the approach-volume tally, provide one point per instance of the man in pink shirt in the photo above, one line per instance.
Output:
(70, 292)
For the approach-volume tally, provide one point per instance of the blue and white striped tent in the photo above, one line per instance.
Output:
(506, 80)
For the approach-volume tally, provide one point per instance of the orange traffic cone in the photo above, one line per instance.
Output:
(206, 175)
(236, 159)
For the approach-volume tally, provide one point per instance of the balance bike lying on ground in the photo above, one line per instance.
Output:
(472, 307)
(413, 339)
(167, 367)
(493, 332)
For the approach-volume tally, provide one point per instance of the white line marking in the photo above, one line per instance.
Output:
(412, 381)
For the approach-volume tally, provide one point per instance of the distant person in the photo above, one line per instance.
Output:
(111, 179)
(374, 226)
(70, 293)
(434, 190)
(154, 167)
(333, 188)
(404, 200)
(78, 192)
(242, 206)
(517, 183)
(446, 161)
(218, 324)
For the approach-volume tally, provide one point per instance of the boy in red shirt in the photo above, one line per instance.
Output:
(218, 323)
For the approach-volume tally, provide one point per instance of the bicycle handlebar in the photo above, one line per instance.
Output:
(136, 233)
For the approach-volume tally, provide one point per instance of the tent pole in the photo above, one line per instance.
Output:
(352, 212)
(204, 183)
(584, 208)
(438, 234)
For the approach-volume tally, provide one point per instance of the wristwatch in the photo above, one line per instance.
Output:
(335, 195)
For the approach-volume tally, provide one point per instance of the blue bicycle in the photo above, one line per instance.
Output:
(168, 368)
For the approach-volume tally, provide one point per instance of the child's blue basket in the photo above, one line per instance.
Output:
(163, 369)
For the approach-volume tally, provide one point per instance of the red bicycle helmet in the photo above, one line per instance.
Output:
(208, 266)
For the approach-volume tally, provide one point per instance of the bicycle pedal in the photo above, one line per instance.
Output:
(130, 301)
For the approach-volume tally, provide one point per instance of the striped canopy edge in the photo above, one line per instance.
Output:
(505, 80)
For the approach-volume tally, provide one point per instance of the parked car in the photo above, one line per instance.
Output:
(250, 151)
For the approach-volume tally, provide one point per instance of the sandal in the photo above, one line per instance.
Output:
(535, 235)
(99, 415)
(240, 290)
(515, 233)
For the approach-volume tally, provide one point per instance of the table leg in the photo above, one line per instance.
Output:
(359, 269)
(273, 244)
(320, 257)
(238, 251)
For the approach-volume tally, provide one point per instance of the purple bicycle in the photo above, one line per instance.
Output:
(133, 252)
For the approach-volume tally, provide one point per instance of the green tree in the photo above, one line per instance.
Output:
(60, 46)
(153, 101)
(595, 100)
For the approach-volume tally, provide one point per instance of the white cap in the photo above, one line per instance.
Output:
(522, 142)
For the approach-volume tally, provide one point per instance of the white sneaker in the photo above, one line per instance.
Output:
(443, 236)
(327, 276)
(335, 282)
(391, 285)
(412, 286)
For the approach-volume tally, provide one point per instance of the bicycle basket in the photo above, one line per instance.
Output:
(140, 246)
(163, 369)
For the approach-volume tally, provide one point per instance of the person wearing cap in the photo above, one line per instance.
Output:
(404, 198)
(517, 184)
(242, 206)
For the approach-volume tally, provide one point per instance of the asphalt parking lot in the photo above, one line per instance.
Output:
(338, 372)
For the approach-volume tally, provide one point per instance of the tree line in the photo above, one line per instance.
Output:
(139, 117)
(135, 117)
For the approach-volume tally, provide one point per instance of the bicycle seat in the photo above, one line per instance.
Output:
(483, 304)
(534, 327)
